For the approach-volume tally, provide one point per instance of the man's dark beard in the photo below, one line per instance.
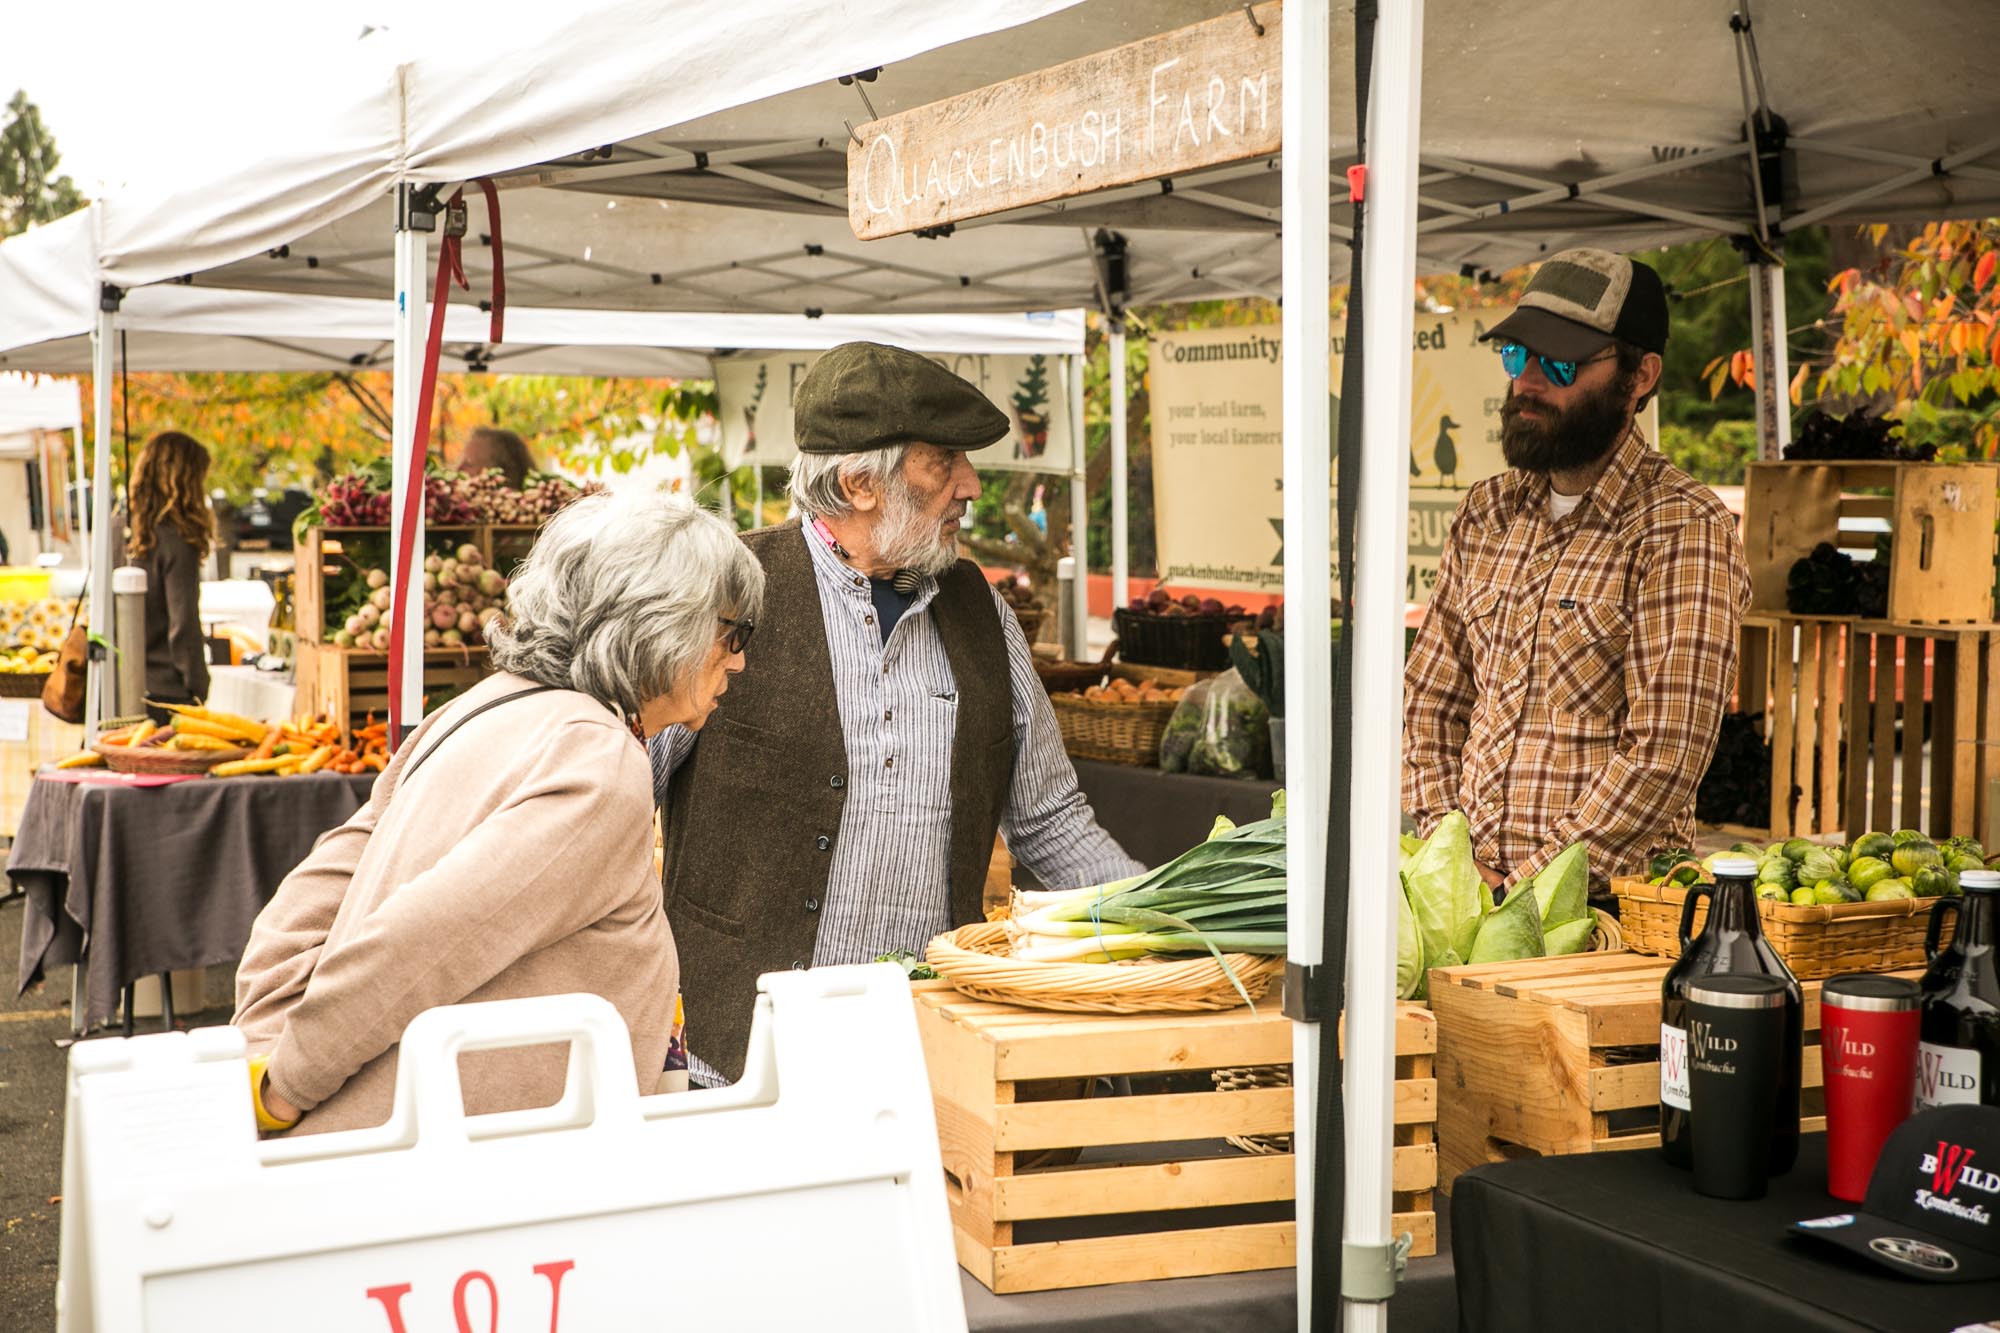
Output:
(1574, 438)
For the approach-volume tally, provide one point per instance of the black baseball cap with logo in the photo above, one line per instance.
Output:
(1581, 301)
(1933, 1201)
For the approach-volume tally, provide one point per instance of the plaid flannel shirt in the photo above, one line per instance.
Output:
(1570, 676)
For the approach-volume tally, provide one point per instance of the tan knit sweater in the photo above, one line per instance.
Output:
(517, 861)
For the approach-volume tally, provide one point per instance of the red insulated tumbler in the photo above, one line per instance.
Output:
(1868, 1048)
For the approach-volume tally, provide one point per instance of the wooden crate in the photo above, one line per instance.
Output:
(1561, 1055)
(347, 685)
(1906, 682)
(1009, 1082)
(321, 553)
(1791, 670)
(1941, 519)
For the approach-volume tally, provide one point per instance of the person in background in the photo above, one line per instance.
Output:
(170, 531)
(507, 850)
(1580, 647)
(843, 805)
(491, 447)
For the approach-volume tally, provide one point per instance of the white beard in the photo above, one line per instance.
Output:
(908, 538)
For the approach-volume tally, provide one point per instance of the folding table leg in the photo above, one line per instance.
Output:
(167, 1001)
(131, 1003)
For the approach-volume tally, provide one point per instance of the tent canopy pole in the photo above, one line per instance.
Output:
(1305, 244)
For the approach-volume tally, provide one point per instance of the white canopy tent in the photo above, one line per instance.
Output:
(183, 328)
(633, 177)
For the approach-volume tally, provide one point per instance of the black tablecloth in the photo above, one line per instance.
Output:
(140, 880)
(1156, 816)
(1425, 1302)
(1621, 1240)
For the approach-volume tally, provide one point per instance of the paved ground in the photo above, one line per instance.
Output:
(31, 1126)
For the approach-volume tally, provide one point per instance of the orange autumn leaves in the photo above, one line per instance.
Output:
(1922, 329)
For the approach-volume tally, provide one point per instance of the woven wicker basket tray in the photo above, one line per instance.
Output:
(974, 959)
(1815, 942)
(1116, 731)
(23, 685)
(156, 761)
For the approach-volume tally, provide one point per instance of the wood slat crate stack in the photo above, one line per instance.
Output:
(1941, 522)
(1888, 718)
(1848, 706)
(1016, 1112)
(1790, 671)
(1561, 1055)
(350, 683)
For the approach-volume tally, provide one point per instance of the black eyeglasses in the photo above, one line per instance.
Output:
(738, 637)
(1514, 360)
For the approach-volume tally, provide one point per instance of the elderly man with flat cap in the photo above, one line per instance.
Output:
(842, 800)
(1580, 646)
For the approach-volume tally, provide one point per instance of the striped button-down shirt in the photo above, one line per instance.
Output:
(888, 886)
(1571, 674)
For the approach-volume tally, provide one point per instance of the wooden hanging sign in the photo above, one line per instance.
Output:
(1196, 97)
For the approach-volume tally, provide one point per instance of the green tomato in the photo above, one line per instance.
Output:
(1878, 845)
(1887, 890)
(1804, 897)
(1772, 893)
(1865, 872)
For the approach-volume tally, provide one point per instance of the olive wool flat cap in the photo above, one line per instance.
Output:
(862, 396)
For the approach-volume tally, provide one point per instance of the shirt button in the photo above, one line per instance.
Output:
(836, 782)
(797, 966)
(885, 668)
(890, 762)
(868, 620)
(889, 715)
(812, 904)
(823, 842)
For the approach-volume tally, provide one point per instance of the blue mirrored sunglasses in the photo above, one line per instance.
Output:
(1562, 374)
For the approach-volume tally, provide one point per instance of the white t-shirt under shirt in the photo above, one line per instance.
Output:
(1562, 506)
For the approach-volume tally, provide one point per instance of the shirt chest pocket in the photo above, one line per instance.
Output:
(1485, 637)
(1586, 663)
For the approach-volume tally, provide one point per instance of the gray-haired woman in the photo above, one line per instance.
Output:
(507, 849)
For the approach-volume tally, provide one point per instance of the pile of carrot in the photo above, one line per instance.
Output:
(303, 744)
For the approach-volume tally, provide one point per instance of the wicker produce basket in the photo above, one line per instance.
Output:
(18, 685)
(1115, 731)
(162, 762)
(1067, 677)
(975, 960)
(1815, 942)
(1186, 643)
(1031, 618)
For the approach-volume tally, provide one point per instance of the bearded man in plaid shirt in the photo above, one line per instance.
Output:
(1580, 647)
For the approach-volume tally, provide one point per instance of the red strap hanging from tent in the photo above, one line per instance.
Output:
(449, 269)
(499, 262)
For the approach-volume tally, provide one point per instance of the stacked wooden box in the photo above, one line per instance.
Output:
(350, 683)
(1018, 1103)
(1561, 1055)
(1878, 687)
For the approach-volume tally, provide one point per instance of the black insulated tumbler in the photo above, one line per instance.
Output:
(1736, 1042)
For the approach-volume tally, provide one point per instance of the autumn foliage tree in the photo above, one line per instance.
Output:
(277, 430)
(1917, 334)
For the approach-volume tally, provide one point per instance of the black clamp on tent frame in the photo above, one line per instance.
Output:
(1113, 266)
(109, 298)
(417, 208)
(1301, 992)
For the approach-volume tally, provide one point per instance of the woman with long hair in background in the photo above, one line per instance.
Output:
(170, 532)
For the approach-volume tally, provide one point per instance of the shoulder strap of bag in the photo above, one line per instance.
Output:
(490, 703)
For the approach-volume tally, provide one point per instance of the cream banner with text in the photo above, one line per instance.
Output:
(1218, 440)
(754, 393)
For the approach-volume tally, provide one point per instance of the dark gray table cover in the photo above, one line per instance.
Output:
(1156, 816)
(135, 881)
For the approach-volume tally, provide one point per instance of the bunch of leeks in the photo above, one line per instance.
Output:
(1225, 895)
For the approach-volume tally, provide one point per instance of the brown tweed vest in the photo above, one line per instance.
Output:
(753, 813)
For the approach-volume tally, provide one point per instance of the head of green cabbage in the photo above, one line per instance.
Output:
(1445, 915)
